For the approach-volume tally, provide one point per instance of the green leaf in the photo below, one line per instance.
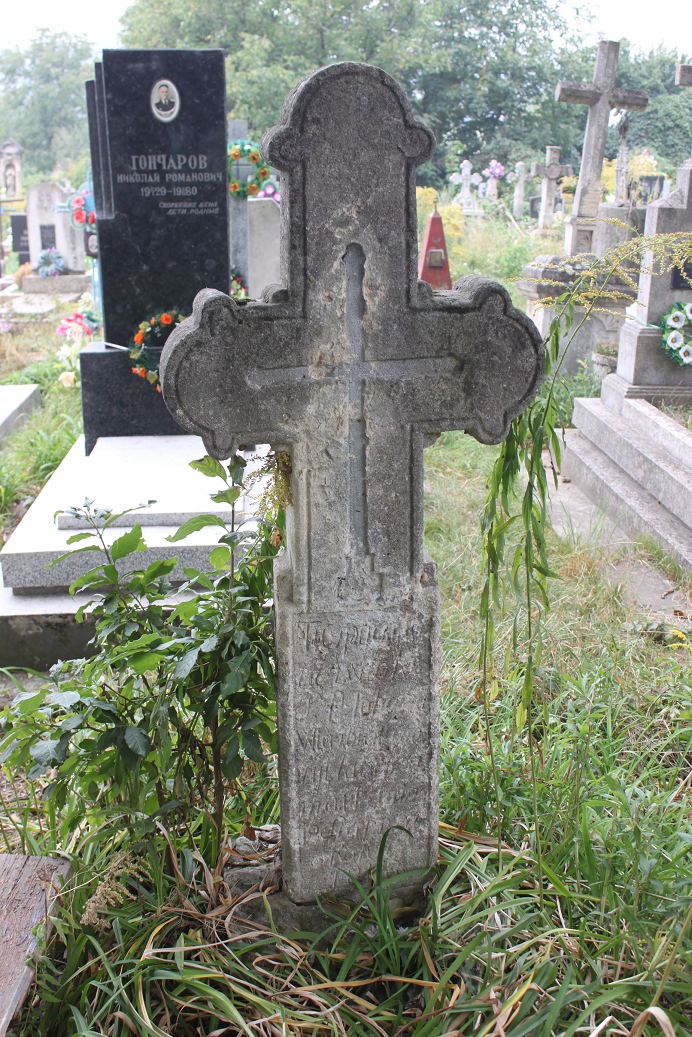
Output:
(44, 752)
(144, 661)
(79, 536)
(219, 557)
(68, 554)
(226, 496)
(186, 663)
(128, 544)
(238, 673)
(210, 467)
(64, 698)
(252, 747)
(194, 524)
(137, 740)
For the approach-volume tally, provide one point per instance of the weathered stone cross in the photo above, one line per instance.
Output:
(354, 367)
(551, 171)
(601, 96)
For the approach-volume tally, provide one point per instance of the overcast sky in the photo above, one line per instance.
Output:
(645, 24)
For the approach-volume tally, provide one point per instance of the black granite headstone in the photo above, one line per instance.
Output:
(680, 279)
(20, 237)
(47, 231)
(157, 129)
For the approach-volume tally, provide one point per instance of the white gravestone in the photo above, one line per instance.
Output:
(520, 178)
(550, 171)
(264, 261)
(11, 169)
(49, 228)
(352, 365)
(601, 96)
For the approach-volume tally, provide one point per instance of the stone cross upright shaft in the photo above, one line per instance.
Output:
(551, 171)
(353, 366)
(601, 96)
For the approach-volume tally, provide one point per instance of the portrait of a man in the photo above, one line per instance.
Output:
(165, 100)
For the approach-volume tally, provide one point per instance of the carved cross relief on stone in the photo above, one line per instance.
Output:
(353, 366)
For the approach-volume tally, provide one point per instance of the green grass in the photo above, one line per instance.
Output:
(606, 938)
(30, 455)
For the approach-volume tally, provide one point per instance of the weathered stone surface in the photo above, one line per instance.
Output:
(547, 277)
(353, 367)
(28, 890)
(601, 96)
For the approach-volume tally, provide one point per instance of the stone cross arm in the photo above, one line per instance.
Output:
(552, 170)
(590, 94)
(352, 364)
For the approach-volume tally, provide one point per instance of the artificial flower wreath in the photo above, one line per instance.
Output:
(253, 187)
(152, 332)
(676, 340)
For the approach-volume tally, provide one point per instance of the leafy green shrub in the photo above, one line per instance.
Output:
(174, 698)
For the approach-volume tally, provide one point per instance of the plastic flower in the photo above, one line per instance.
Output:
(234, 187)
(235, 153)
(80, 216)
(152, 321)
(139, 338)
(685, 354)
(675, 340)
(77, 202)
(66, 379)
(166, 318)
(158, 387)
(255, 156)
(252, 189)
(688, 311)
(92, 218)
(263, 173)
(142, 372)
(676, 319)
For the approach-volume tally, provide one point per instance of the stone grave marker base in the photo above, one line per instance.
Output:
(65, 283)
(17, 402)
(626, 454)
(37, 623)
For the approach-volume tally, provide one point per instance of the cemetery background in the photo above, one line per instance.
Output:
(642, 668)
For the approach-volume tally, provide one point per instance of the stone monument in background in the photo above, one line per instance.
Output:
(353, 366)
(601, 96)
(50, 228)
(551, 170)
(157, 132)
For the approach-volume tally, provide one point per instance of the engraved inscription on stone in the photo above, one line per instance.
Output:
(361, 739)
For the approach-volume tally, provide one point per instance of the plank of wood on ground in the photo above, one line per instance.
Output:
(29, 888)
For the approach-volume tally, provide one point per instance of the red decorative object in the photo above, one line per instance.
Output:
(433, 264)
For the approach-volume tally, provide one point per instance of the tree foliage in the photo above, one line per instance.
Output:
(42, 98)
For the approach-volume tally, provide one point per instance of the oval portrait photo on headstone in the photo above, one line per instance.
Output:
(165, 100)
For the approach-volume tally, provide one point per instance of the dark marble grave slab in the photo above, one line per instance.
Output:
(161, 181)
(115, 402)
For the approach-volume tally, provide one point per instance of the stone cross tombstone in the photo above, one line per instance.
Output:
(51, 228)
(157, 132)
(601, 96)
(520, 180)
(465, 197)
(353, 366)
(11, 170)
(551, 171)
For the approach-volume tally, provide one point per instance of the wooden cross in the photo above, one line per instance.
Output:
(601, 96)
(551, 171)
(353, 366)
